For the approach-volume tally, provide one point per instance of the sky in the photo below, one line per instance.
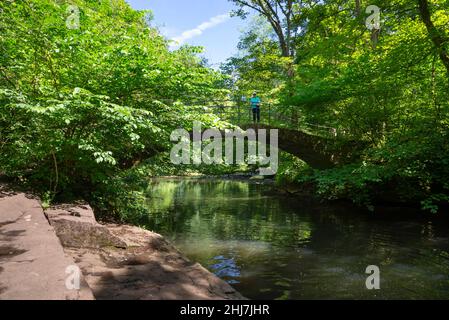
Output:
(197, 22)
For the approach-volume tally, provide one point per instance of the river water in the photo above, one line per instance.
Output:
(269, 246)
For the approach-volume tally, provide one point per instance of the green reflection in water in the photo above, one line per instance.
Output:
(271, 247)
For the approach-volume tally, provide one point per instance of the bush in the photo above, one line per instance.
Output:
(74, 142)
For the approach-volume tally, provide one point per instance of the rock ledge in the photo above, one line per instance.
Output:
(127, 262)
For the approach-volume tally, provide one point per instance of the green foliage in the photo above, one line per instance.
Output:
(290, 169)
(76, 140)
(411, 171)
(387, 88)
(114, 52)
(83, 109)
(81, 106)
(258, 65)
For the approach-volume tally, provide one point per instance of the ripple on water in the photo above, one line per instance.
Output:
(226, 268)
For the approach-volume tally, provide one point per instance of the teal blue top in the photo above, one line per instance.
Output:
(255, 102)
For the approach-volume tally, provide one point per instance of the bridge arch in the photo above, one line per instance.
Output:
(309, 148)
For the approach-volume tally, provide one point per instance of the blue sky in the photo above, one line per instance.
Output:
(197, 22)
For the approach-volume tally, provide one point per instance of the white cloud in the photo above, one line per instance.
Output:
(168, 32)
(189, 34)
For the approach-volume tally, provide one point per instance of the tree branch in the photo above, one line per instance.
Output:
(434, 33)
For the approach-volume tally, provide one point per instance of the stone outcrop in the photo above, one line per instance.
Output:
(127, 262)
(76, 227)
(33, 263)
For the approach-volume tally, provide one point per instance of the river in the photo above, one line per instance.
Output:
(270, 246)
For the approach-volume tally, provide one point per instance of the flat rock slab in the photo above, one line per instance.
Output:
(129, 263)
(150, 268)
(76, 227)
(33, 263)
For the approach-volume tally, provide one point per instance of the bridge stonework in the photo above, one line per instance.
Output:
(309, 148)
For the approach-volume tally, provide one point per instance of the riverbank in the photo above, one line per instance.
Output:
(32, 261)
(117, 261)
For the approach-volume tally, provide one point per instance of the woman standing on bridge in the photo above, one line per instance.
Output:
(255, 106)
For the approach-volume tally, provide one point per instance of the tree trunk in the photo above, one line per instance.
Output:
(434, 34)
(357, 8)
(280, 34)
(283, 44)
(374, 38)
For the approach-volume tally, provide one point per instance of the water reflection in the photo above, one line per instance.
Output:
(271, 247)
(226, 268)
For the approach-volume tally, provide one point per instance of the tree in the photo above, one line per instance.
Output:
(279, 14)
(257, 66)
